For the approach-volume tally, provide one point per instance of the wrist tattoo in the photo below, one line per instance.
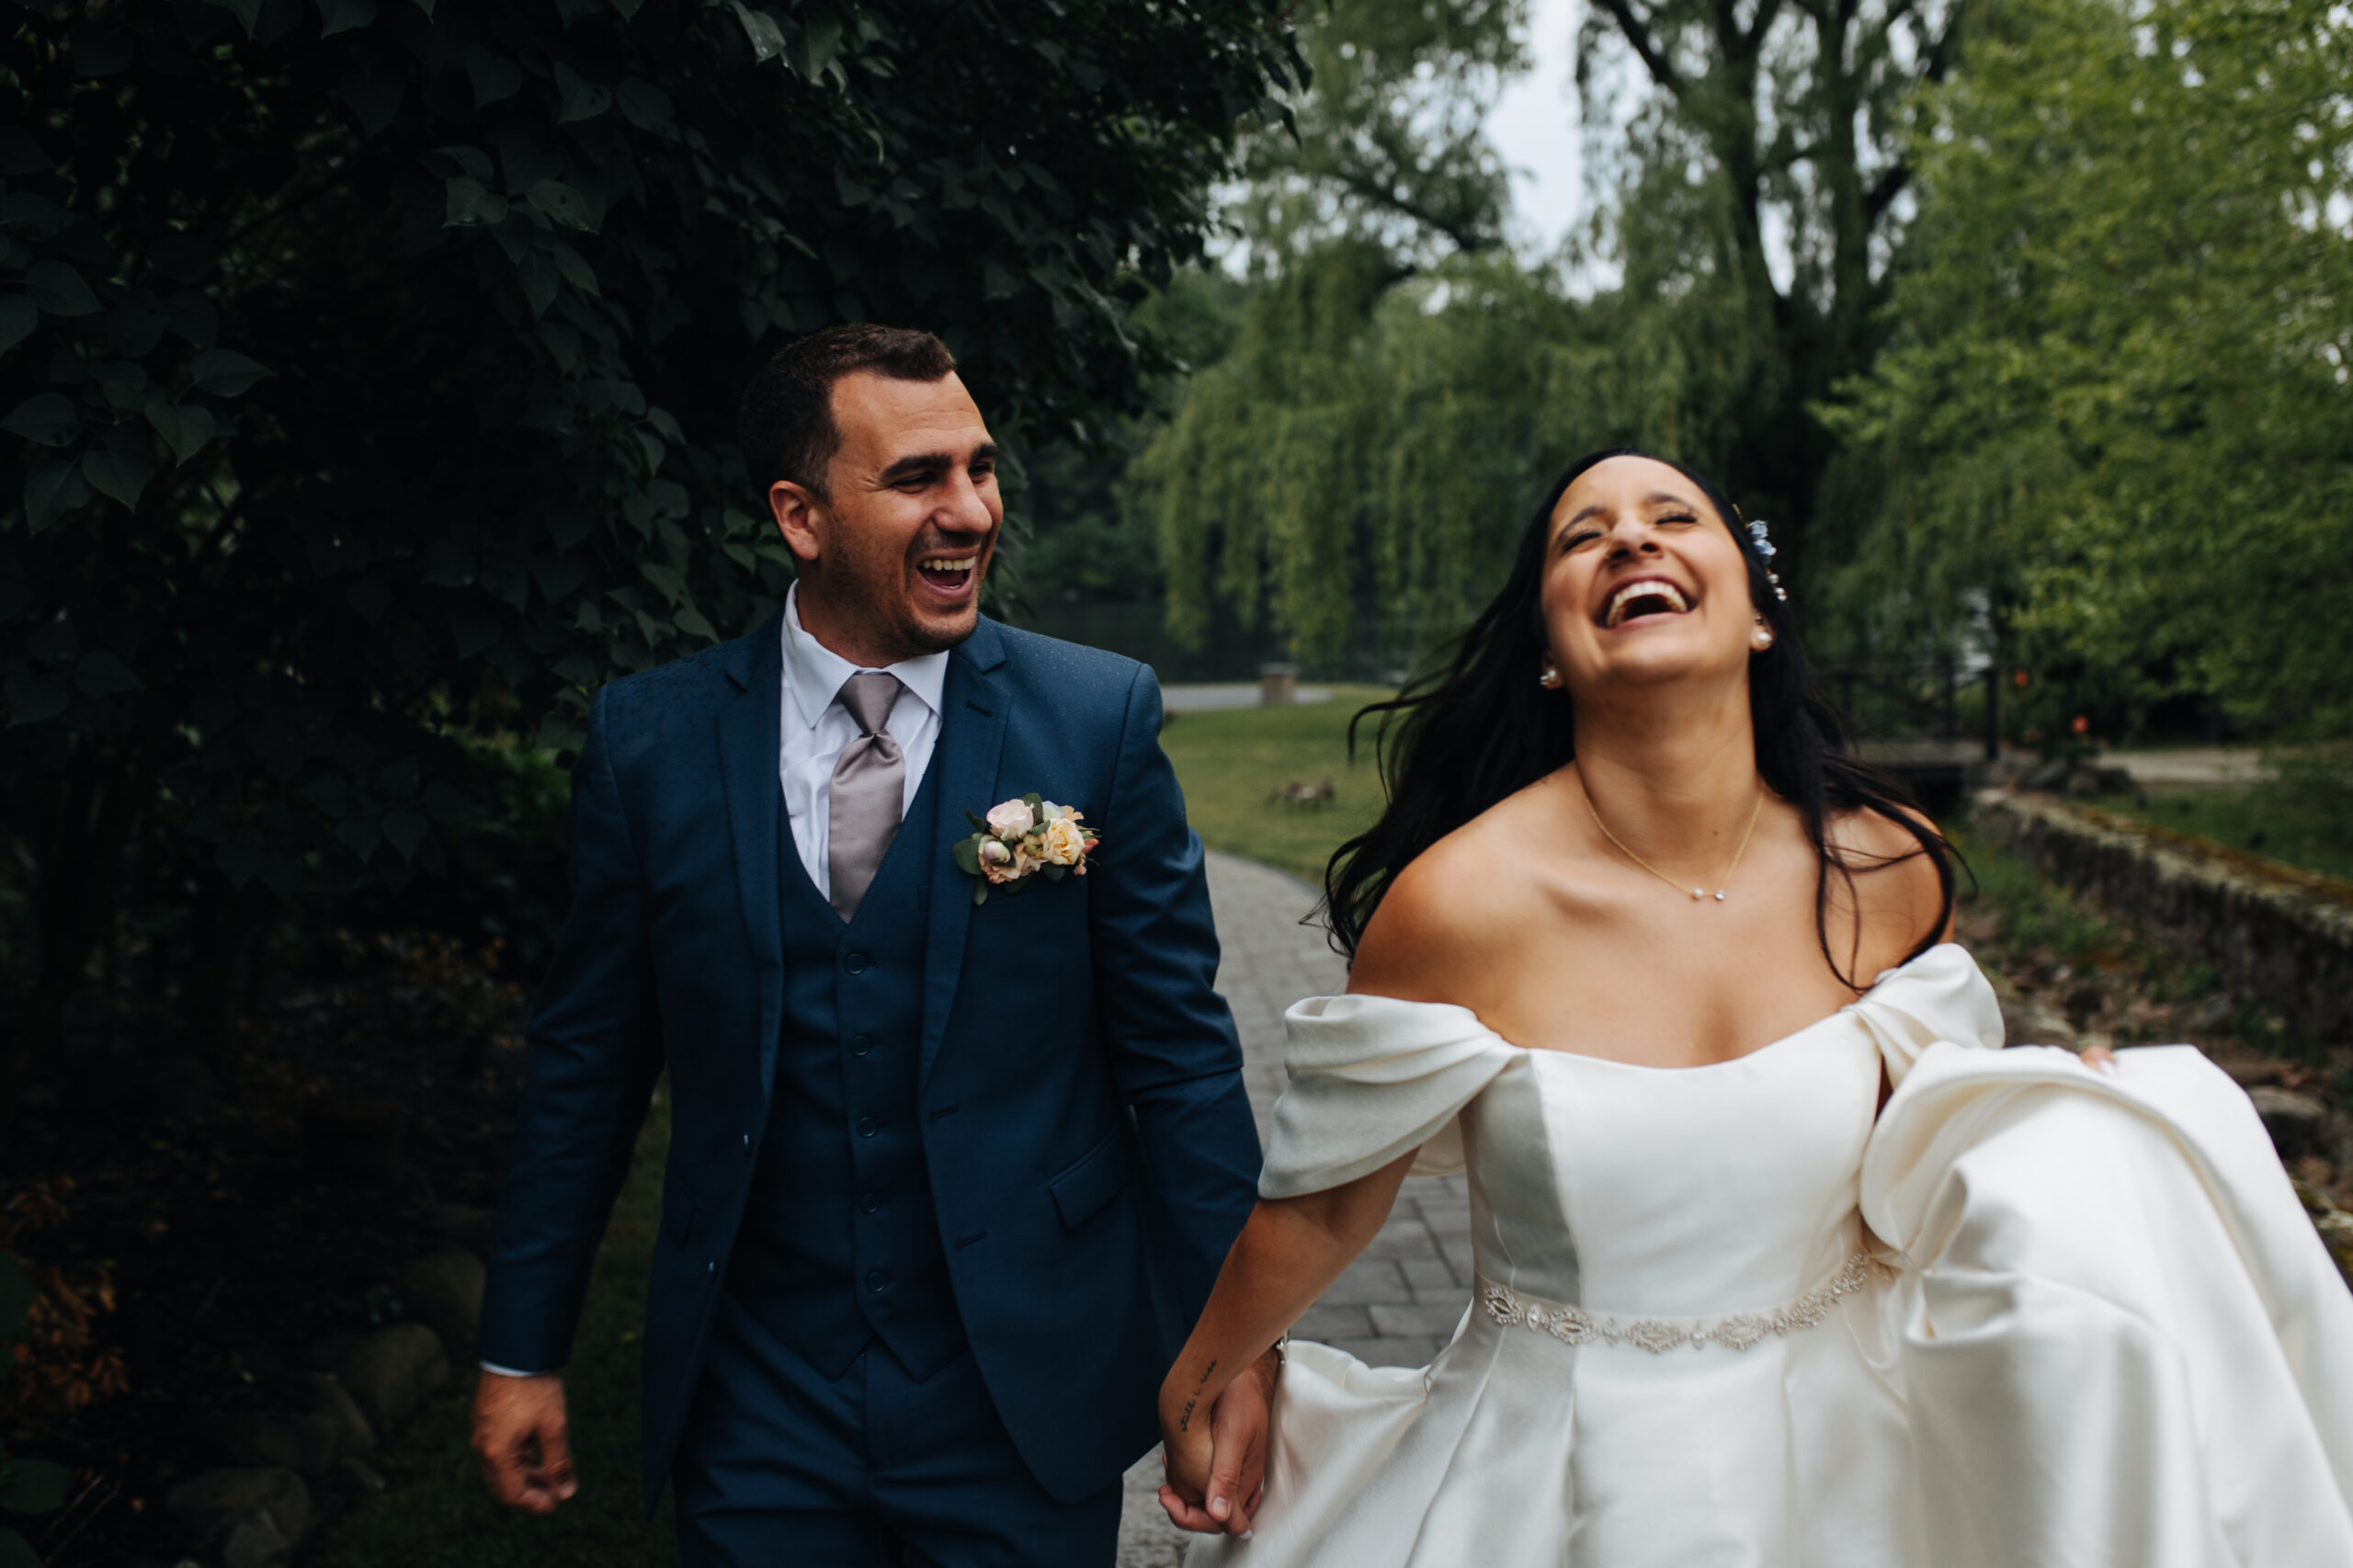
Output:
(1184, 1417)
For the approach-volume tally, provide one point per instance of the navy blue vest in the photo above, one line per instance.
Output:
(840, 1240)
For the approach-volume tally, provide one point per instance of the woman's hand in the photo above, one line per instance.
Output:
(1216, 1459)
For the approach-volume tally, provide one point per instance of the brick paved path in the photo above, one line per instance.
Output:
(1398, 1302)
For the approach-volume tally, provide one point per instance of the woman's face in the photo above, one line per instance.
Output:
(1643, 582)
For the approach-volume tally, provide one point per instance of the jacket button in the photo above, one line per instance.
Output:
(869, 1203)
(860, 1045)
(878, 1280)
(710, 1269)
(855, 963)
(747, 1143)
(865, 1126)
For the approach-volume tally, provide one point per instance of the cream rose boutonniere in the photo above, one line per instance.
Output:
(1023, 838)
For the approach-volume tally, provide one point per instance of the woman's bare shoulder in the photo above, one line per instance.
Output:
(1447, 914)
(1896, 877)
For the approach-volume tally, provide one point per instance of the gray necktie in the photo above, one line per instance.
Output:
(868, 791)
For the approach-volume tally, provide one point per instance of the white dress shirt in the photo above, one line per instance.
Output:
(813, 727)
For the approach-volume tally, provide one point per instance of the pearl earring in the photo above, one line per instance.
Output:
(1550, 680)
(1762, 638)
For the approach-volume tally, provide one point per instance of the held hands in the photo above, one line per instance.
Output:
(519, 1432)
(1215, 1449)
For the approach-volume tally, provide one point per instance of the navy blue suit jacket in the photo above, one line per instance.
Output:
(1080, 1097)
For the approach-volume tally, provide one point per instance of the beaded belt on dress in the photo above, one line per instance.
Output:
(1735, 1331)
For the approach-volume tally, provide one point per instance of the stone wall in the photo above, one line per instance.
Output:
(2274, 936)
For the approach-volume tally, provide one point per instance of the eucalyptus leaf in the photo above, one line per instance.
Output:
(561, 203)
(51, 490)
(18, 316)
(31, 701)
(582, 100)
(223, 373)
(574, 270)
(185, 427)
(404, 831)
(33, 1486)
(647, 106)
(32, 216)
(495, 77)
(120, 470)
(821, 36)
(100, 673)
(343, 16)
(247, 12)
(48, 420)
(470, 204)
(57, 289)
(766, 39)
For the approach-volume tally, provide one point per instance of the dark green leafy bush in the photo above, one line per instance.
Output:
(368, 369)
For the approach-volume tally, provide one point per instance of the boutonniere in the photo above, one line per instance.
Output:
(1024, 837)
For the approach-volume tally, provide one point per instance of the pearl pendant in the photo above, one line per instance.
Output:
(1696, 893)
(1720, 895)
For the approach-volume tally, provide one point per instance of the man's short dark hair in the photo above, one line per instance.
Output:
(786, 420)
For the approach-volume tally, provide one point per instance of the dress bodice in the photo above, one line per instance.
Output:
(1718, 1377)
(1669, 1193)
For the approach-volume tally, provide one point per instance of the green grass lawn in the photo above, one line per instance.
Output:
(1231, 760)
(2289, 821)
(438, 1512)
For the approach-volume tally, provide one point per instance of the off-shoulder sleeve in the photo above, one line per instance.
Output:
(1374, 1078)
(1941, 995)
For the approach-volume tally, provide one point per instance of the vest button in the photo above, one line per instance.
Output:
(860, 1045)
(865, 1126)
(855, 963)
(869, 1203)
(878, 1280)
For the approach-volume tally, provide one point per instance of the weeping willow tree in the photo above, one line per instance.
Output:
(1402, 385)
(1364, 443)
(1377, 374)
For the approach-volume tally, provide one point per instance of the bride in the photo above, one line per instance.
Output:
(1779, 1260)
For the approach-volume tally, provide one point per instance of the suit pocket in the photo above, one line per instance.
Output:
(1091, 1181)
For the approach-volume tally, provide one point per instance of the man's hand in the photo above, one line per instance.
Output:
(1229, 1495)
(519, 1432)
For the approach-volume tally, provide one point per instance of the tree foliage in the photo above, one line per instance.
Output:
(371, 372)
(1361, 453)
(1280, 478)
(2116, 417)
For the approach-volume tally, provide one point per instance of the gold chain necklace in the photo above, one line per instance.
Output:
(1754, 813)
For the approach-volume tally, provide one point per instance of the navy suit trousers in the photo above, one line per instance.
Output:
(781, 1467)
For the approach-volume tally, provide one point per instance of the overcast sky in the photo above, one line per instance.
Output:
(1535, 127)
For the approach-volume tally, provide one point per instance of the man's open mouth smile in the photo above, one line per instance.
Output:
(948, 575)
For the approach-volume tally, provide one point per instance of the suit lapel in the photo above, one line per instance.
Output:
(748, 749)
(972, 739)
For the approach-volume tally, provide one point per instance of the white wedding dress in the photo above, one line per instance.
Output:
(2028, 1315)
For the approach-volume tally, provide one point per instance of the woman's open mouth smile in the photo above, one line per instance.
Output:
(1643, 599)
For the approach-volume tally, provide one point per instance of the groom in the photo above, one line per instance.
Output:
(948, 1180)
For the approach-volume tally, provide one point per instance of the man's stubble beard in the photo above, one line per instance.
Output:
(910, 636)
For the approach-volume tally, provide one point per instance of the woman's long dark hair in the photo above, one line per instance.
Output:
(1479, 728)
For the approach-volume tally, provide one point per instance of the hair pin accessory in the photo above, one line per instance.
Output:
(1762, 542)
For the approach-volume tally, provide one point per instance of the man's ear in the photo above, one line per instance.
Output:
(798, 516)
